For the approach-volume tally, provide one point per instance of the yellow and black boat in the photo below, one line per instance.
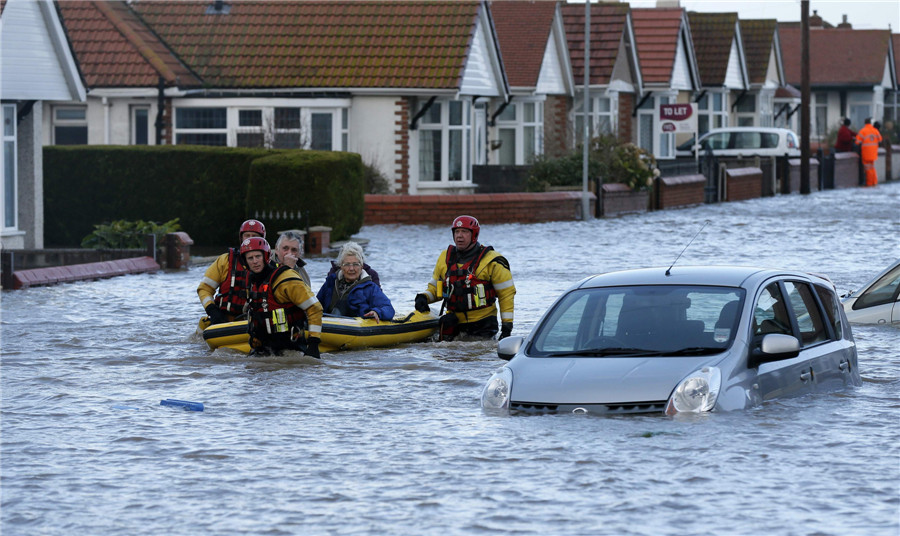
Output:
(338, 332)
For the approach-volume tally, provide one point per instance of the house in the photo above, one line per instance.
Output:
(669, 71)
(765, 73)
(614, 70)
(130, 74)
(399, 82)
(36, 65)
(892, 98)
(851, 71)
(532, 41)
(722, 65)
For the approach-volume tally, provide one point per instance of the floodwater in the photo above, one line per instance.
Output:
(393, 441)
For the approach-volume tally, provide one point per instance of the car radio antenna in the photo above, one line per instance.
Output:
(669, 270)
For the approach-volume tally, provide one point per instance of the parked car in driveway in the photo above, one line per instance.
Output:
(878, 301)
(745, 141)
(684, 340)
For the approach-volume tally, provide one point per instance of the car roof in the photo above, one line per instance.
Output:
(726, 276)
(773, 130)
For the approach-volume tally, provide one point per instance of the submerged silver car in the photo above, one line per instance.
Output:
(878, 301)
(683, 340)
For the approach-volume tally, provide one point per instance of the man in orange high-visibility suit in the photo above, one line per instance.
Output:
(868, 138)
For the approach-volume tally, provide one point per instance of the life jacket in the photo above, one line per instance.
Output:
(463, 291)
(232, 295)
(272, 323)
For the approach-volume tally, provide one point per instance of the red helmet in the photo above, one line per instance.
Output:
(255, 244)
(253, 226)
(466, 222)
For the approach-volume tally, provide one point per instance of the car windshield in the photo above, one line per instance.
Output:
(640, 321)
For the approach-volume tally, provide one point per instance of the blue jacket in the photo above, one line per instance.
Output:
(364, 296)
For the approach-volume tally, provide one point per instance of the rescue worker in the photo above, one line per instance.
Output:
(229, 276)
(868, 138)
(845, 137)
(288, 248)
(470, 279)
(280, 306)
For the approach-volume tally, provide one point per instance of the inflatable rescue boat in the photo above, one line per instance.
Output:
(338, 332)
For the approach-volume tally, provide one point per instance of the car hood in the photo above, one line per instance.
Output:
(600, 380)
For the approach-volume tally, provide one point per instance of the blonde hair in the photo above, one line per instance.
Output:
(351, 249)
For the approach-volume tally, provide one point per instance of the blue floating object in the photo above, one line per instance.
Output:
(183, 404)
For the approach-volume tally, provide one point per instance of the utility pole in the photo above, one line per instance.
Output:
(586, 142)
(804, 98)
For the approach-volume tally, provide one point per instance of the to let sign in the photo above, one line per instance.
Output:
(677, 117)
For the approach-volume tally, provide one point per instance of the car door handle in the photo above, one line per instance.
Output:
(844, 366)
(806, 376)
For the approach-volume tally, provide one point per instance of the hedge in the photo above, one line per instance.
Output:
(208, 188)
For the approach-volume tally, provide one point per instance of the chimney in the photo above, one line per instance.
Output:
(815, 21)
(845, 24)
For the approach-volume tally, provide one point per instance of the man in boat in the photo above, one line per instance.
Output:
(280, 307)
(227, 275)
(351, 291)
(288, 248)
(470, 279)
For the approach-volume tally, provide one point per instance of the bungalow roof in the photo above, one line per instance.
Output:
(837, 56)
(115, 49)
(321, 44)
(759, 38)
(608, 25)
(523, 28)
(713, 36)
(657, 32)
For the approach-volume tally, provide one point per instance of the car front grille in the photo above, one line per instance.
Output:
(597, 409)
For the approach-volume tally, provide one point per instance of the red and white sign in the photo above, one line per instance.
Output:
(677, 117)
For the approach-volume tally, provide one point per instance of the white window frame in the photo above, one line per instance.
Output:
(597, 96)
(663, 145)
(57, 122)
(817, 131)
(10, 181)
(706, 107)
(518, 122)
(445, 128)
(337, 108)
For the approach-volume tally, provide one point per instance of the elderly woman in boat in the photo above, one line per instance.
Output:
(350, 291)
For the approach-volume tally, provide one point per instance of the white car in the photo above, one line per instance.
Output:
(686, 340)
(878, 301)
(745, 141)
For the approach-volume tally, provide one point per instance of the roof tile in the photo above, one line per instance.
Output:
(523, 28)
(712, 34)
(758, 36)
(318, 44)
(607, 28)
(656, 33)
(837, 56)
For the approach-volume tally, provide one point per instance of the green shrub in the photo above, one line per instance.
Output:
(607, 158)
(122, 234)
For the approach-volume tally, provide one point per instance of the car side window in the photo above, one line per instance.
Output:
(769, 140)
(770, 314)
(719, 140)
(832, 309)
(806, 311)
(882, 291)
(747, 140)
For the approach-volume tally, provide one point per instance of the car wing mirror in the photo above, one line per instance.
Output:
(509, 347)
(774, 347)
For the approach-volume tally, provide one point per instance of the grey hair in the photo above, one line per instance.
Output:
(351, 248)
(290, 235)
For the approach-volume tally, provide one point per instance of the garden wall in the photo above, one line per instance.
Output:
(680, 191)
(487, 208)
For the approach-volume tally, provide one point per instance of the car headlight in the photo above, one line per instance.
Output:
(495, 396)
(696, 393)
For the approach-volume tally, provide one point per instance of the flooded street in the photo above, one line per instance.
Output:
(393, 441)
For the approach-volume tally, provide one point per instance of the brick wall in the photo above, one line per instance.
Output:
(556, 125)
(620, 199)
(743, 183)
(626, 105)
(401, 146)
(846, 170)
(680, 191)
(794, 164)
(488, 208)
